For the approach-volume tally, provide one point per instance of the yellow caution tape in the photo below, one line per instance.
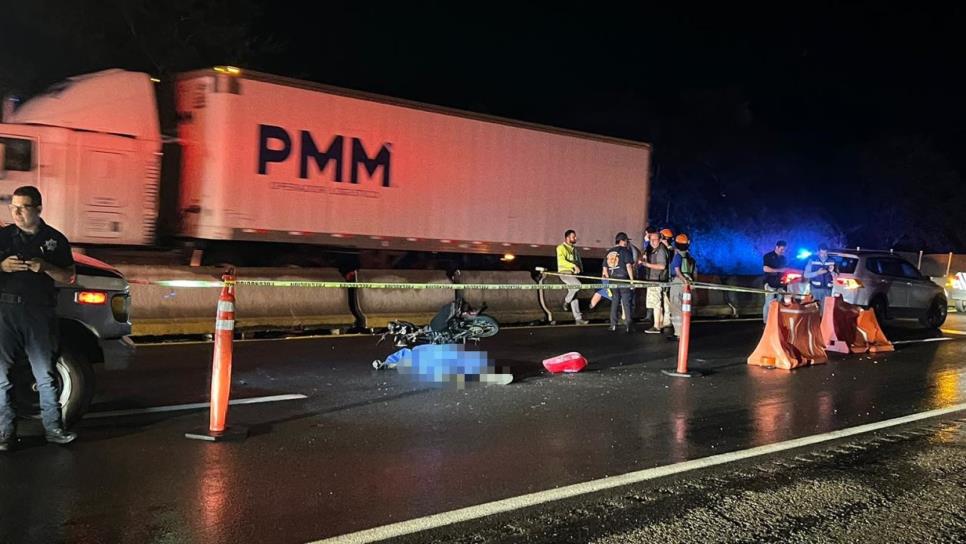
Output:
(629, 284)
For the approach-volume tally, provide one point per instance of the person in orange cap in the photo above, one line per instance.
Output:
(683, 271)
(667, 238)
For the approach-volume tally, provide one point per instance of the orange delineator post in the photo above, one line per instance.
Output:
(684, 335)
(221, 362)
(221, 367)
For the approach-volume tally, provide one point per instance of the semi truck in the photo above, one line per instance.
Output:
(227, 160)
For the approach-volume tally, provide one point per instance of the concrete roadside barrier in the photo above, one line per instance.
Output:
(161, 310)
(377, 307)
(506, 306)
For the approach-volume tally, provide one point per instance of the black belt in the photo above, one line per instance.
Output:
(7, 298)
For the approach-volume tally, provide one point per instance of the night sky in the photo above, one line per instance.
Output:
(825, 123)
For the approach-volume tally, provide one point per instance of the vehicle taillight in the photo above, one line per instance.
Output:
(848, 283)
(791, 277)
(91, 297)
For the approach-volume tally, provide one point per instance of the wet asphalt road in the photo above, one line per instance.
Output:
(902, 485)
(367, 447)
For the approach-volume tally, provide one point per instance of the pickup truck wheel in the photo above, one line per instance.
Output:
(76, 377)
(75, 381)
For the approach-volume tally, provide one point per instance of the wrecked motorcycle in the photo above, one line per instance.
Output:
(455, 323)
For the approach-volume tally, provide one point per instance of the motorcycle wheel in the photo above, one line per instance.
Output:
(483, 326)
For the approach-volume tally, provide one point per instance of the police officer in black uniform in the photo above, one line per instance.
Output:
(33, 256)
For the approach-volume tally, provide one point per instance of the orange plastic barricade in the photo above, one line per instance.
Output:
(792, 337)
(869, 327)
(839, 327)
(847, 328)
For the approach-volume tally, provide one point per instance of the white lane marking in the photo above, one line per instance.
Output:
(193, 406)
(943, 339)
(436, 521)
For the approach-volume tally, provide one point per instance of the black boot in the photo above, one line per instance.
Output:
(60, 436)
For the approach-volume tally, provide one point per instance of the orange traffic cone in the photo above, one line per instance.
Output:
(792, 337)
(221, 368)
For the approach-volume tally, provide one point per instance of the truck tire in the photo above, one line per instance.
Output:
(76, 377)
(75, 381)
(935, 315)
(961, 306)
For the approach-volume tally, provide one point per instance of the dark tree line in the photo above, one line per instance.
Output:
(784, 148)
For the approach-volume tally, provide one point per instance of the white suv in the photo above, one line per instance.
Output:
(890, 285)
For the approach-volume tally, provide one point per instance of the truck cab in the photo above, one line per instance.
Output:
(92, 146)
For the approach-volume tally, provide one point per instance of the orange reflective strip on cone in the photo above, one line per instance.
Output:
(792, 337)
(221, 369)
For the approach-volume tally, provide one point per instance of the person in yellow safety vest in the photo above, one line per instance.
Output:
(568, 265)
(683, 271)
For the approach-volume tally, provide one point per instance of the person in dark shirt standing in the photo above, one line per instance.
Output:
(774, 265)
(33, 256)
(656, 263)
(619, 265)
